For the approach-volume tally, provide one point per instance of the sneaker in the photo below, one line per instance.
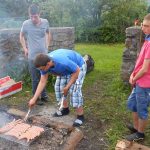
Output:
(39, 102)
(131, 128)
(45, 99)
(79, 121)
(62, 112)
(135, 137)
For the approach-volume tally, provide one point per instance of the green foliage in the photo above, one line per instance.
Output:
(103, 34)
(16, 8)
(99, 21)
(111, 34)
(120, 14)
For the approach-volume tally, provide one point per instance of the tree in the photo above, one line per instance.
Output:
(120, 14)
(16, 8)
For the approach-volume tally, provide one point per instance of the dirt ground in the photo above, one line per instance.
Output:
(93, 128)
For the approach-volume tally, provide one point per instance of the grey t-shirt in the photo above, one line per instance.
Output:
(35, 35)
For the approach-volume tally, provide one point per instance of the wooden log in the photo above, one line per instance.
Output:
(74, 138)
(51, 123)
(16, 112)
(127, 145)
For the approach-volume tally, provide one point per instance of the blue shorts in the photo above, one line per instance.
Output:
(76, 98)
(139, 101)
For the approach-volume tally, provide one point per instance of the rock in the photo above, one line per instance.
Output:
(133, 43)
(12, 59)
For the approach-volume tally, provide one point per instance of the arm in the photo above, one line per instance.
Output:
(23, 43)
(39, 89)
(142, 71)
(73, 78)
(48, 39)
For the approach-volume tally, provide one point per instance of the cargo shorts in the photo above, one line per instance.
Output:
(139, 101)
(75, 93)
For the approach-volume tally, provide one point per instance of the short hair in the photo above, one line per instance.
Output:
(41, 60)
(34, 9)
(147, 17)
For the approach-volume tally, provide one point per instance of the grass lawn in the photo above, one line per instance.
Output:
(107, 96)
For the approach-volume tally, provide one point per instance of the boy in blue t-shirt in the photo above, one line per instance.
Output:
(70, 69)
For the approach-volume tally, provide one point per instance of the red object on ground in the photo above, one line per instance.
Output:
(8, 87)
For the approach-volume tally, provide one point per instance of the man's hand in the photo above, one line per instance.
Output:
(26, 52)
(65, 91)
(32, 102)
(73, 79)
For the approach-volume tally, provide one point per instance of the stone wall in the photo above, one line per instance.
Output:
(12, 60)
(62, 38)
(133, 43)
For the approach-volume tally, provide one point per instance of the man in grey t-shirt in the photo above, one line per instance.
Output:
(35, 38)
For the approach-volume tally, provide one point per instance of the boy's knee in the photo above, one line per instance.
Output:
(143, 115)
(131, 106)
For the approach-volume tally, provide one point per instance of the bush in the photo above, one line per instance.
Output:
(101, 35)
(111, 35)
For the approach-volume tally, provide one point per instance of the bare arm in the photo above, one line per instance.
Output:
(73, 78)
(142, 71)
(41, 86)
(48, 39)
(23, 43)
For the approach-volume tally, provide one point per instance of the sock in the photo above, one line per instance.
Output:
(65, 110)
(140, 134)
(135, 130)
(80, 117)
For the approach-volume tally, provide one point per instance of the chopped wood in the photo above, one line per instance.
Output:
(51, 123)
(16, 112)
(74, 138)
(127, 145)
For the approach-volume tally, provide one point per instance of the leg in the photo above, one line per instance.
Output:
(142, 125)
(139, 134)
(35, 77)
(135, 120)
(65, 104)
(79, 111)
(140, 118)
(60, 83)
(132, 106)
(76, 99)
(143, 101)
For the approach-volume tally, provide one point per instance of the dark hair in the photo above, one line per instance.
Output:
(41, 60)
(34, 9)
(147, 17)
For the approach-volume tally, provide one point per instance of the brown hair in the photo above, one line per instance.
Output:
(34, 9)
(41, 60)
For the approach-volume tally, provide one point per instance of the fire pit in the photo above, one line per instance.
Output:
(56, 135)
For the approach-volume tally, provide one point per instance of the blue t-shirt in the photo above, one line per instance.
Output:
(65, 62)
